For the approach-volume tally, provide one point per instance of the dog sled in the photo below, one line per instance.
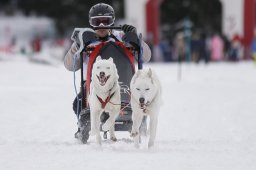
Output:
(123, 57)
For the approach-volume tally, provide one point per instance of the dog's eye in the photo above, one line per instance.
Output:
(138, 89)
(108, 68)
(98, 67)
(147, 89)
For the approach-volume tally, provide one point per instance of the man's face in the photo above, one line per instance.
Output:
(102, 32)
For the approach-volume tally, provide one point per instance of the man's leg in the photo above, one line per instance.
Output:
(83, 115)
(77, 109)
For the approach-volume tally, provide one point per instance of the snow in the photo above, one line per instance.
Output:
(207, 120)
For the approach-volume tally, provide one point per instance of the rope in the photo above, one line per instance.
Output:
(74, 83)
(121, 111)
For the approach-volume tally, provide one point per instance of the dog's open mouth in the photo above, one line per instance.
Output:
(142, 105)
(103, 79)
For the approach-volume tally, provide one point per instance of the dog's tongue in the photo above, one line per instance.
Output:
(103, 79)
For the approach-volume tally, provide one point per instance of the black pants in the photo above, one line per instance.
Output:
(76, 105)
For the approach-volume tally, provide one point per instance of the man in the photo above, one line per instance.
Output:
(100, 15)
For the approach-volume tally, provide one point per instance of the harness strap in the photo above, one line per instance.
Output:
(114, 37)
(104, 103)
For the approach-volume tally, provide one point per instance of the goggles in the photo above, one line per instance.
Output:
(102, 21)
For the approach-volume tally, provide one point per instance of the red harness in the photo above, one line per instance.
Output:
(104, 103)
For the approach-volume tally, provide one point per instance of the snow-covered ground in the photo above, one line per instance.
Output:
(207, 121)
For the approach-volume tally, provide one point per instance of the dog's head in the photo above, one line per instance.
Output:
(104, 71)
(143, 87)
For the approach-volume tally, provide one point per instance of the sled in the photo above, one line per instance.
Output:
(124, 62)
(123, 57)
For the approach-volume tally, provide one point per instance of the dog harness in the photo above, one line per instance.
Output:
(104, 103)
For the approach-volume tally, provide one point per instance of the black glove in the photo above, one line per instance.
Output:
(75, 38)
(128, 28)
(89, 37)
(132, 38)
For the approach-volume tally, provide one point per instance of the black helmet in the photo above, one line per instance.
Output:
(101, 14)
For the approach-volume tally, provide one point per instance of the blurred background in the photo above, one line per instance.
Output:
(176, 30)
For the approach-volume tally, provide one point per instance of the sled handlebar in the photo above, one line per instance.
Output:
(109, 27)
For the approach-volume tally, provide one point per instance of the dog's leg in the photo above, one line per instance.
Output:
(107, 125)
(110, 125)
(93, 122)
(112, 132)
(113, 137)
(152, 128)
(137, 119)
(109, 122)
(97, 126)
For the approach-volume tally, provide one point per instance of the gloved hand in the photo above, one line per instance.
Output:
(132, 38)
(128, 28)
(89, 37)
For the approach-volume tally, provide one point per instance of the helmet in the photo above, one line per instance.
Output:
(101, 15)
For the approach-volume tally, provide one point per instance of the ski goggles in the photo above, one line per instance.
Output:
(102, 21)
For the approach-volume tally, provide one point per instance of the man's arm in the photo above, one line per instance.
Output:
(71, 62)
(130, 36)
(82, 37)
(146, 52)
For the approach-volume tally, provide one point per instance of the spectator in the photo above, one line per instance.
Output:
(179, 47)
(203, 49)
(216, 48)
(166, 51)
(235, 49)
(253, 46)
(36, 44)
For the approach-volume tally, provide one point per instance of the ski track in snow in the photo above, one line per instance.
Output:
(207, 120)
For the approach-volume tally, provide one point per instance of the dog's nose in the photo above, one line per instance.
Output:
(102, 74)
(142, 100)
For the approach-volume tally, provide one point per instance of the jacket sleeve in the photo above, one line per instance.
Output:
(146, 52)
(71, 62)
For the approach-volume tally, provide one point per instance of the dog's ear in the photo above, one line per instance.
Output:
(110, 59)
(98, 58)
(150, 73)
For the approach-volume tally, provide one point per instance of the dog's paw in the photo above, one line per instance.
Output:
(113, 139)
(134, 134)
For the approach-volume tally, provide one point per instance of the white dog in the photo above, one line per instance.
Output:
(145, 100)
(104, 96)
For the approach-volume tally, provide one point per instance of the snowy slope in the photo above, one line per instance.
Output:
(207, 121)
